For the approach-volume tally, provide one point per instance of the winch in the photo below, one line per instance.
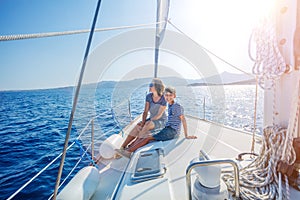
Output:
(208, 184)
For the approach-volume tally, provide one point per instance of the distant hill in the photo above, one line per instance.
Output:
(225, 78)
(174, 81)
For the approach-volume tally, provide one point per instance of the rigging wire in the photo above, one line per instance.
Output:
(254, 116)
(237, 68)
(113, 129)
(39, 173)
(76, 99)
(210, 52)
(69, 174)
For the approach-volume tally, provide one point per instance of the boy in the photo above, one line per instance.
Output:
(172, 129)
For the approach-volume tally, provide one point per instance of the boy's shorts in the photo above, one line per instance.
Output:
(168, 133)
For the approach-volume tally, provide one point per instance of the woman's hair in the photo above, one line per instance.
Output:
(159, 86)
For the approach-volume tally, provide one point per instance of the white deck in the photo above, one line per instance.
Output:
(178, 154)
(218, 141)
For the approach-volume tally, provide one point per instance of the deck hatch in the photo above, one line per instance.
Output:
(149, 165)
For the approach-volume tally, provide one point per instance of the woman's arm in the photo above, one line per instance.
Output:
(145, 114)
(183, 120)
(160, 113)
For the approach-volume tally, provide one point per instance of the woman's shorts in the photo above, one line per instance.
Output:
(168, 133)
(158, 125)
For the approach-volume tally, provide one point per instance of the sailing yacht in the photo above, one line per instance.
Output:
(224, 162)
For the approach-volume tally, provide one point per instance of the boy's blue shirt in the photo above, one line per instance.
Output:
(175, 110)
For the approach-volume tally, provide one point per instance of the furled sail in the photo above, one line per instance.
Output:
(161, 19)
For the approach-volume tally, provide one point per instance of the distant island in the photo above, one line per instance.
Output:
(246, 82)
(225, 78)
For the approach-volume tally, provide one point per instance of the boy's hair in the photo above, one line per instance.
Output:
(170, 90)
(159, 86)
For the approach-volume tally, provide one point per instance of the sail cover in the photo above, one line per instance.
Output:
(161, 19)
(161, 16)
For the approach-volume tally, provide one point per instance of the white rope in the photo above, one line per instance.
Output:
(259, 180)
(52, 34)
(269, 63)
(287, 187)
(280, 187)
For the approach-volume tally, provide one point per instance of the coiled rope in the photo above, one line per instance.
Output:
(260, 180)
(269, 63)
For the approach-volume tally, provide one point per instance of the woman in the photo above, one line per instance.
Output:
(156, 105)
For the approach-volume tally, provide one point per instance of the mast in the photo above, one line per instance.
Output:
(161, 23)
(297, 48)
(156, 53)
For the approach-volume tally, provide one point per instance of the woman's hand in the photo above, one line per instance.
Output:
(141, 123)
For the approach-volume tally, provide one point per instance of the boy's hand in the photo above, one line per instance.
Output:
(191, 137)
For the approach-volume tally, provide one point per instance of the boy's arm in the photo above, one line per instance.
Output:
(182, 118)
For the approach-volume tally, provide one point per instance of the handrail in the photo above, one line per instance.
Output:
(203, 154)
(204, 107)
(92, 140)
(129, 110)
(212, 162)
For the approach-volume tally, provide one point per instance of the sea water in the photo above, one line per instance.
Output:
(33, 125)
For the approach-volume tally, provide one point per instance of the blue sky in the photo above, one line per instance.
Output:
(55, 62)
